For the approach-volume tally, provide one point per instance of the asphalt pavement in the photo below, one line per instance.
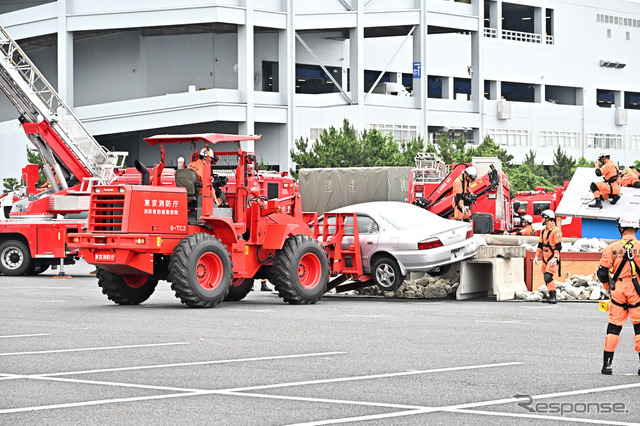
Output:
(70, 356)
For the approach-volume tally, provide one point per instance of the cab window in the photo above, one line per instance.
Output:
(538, 208)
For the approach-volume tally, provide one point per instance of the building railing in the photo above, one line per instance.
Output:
(518, 36)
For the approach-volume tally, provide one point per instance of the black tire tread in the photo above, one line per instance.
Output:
(239, 292)
(179, 270)
(117, 290)
(283, 272)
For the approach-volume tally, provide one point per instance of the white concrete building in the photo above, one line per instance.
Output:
(533, 74)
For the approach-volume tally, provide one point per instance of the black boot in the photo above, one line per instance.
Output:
(639, 368)
(615, 199)
(264, 286)
(606, 363)
(552, 297)
(597, 203)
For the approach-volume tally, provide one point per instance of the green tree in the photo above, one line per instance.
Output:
(410, 149)
(522, 178)
(488, 148)
(537, 169)
(33, 157)
(583, 162)
(10, 184)
(560, 171)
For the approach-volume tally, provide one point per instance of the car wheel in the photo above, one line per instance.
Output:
(15, 258)
(387, 274)
(440, 270)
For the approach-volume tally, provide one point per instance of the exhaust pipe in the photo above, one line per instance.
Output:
(143, 171)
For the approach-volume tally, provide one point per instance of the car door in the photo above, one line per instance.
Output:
(369, 233)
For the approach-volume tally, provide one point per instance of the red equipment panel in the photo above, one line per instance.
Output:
(51, 241)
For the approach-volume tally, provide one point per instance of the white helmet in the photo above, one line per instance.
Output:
(629, 220)
(527, 218)
(548, 214)
(206, 152)
(471, 172)
(604, 153)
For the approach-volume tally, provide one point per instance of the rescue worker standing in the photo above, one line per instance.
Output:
(610, 186)
(629, 177)
(527, 229)
(618, 259)
(549, 248)
(462, 194)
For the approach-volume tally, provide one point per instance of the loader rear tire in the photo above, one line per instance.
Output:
(239, 289)
(126, 289)
(300, 271)
(15, 258)
(200, 271)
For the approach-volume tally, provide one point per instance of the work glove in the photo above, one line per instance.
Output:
(553, 262)
(535, 260)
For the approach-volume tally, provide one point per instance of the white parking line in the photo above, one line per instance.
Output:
(24, 335)
(369, 316)
(373, 376)
(187, 364)
(105, 348)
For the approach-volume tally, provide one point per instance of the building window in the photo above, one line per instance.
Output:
(604, 140)
(628, 36)
(313, 79)
(400, 132)
(434, 86)
(518, 92)
(269, 76)
(315, 133)
(552, 139)
(608, 33)
(635, 143)
(509, 137)
(605, 98)
(632, 100)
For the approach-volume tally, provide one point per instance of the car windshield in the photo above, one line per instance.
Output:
(405, 216)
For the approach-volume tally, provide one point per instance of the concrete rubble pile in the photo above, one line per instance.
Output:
(577, 287)
(427, 287)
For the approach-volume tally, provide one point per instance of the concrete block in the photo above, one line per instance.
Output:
(506, 252)
(486, 277)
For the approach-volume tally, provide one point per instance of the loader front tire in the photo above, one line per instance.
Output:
(239, 289)
(200, 271)
(126, 289)
(300, 271)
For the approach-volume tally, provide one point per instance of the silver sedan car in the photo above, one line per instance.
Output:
(397, 238)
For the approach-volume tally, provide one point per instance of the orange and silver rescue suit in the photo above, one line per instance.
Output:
(619, 258)
(527, 231)
(629, 177)
(610, 186)
(198, 167)
(549, 246)
(461, 200)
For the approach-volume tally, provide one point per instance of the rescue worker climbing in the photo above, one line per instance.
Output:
(629, 177)
(610, 186)
(527, 229)
(549, 249)
(619, 259)
(463, 197)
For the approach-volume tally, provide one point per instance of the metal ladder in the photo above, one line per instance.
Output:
(36, 100)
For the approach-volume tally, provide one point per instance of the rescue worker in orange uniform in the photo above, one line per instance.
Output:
(619, 259)
(198, 165)
(629, 177)
(462, 194)
(527, 229)
(610, 186)
(549, 249)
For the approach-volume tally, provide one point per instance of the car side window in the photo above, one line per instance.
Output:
(366, 225)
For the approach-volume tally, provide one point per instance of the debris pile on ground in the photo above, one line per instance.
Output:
(427, 287)
(577, 287)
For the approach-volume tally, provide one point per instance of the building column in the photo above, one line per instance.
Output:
(420, 74)
(65, 56)
(356, 63)
(287, 70)
(476, 71)
(245, 74)
(447, 87)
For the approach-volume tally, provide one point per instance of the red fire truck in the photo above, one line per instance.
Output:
(431, 187)
(535, 202)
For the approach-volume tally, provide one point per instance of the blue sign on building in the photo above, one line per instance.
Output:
(417, 70)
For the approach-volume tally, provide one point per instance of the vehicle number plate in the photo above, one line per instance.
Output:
(456, 253)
